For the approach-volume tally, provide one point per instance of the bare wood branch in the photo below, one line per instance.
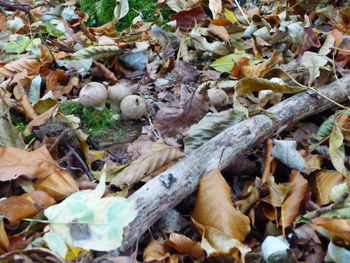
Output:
(155, 197)
(24, 8)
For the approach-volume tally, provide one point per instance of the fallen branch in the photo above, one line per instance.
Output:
(156, 196)
(24, 8)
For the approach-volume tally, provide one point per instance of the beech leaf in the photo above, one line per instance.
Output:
(32, 67)
(226, 63)
(324, 182)
(96, 52)
(159, 155)
(291, 206)
(337, 151)
(248, 85)
(215, 209)
(185, 246)
(15, 162)
(208, 127)
(121, 9)
(313, 61)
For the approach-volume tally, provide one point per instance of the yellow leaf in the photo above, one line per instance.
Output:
(214, 207)
(231, 16)
(159, 155)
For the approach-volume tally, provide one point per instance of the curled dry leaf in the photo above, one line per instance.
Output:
(215, 7)
(15, 162)
(158, 156)
(189, 18)
(156, 251)
(261, 69)
(172, 120)
(59, 185)
(291, 206)
(324, 182)
(214, 207)
(339, 227)
(27, 205)
(32, 67)
(219, 31)
(41, 119)
(185, 245)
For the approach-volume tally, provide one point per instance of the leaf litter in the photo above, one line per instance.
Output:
(277, 202)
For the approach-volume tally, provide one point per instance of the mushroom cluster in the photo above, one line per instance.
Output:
(95, 94)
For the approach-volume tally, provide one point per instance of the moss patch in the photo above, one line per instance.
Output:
(101, 126)
(101, 12)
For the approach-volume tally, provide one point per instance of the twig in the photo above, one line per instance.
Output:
(24, 8)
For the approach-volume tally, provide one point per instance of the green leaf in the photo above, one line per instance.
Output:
(88, 221)
(326, 127)
(96, 52)
(337, 151)
(226, 63)
(17, 46)
(208, 127)
(248, 85)
(52, 30)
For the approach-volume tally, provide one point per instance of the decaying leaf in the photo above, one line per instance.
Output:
(208, 127)
(313, 62)
(189, 18)
(215, 7)
(88, 221)
(215, 209)
(15, 162)
(156, 251)
(159, 155)
(338, 227)
(171, 120)
(121, 9)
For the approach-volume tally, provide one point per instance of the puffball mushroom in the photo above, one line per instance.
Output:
(133, 107)
(116, 93)
(93, 94)
(217, 97)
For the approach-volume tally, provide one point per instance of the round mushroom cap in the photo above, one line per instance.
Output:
(133, 107)
(118, 92)
(217, 97)
(93, 94)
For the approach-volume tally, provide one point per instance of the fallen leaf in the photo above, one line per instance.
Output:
(189, 18)
(159, 155)
(121, 9)
(248, 85)
(324, 182)
(156, 251)
(15, 162)
(259, 70)
(172, 120)
(215, 7)
(32, 67)
(16, 208)
(219, 31)
(291, 206)
(86, 220)
(59, 185)
(3, 21)
(186, 246)
(338, 227)
(215, 209)
(313, 62)
(96, 52)
(226, 63)
(41, 119)
(337, 151)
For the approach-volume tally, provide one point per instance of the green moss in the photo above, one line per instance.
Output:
(101, 125)
(101, 12)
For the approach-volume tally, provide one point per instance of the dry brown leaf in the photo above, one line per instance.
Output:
(105, 72)
(4, 240)
(28, 108)
(3, 21)
(291, 206)
(172, 120)
(237, 67)
(261, 69)
(339, 227)
(59, 185)
(186, 246)
(156, 251)
(324, 182)
(32, 66)
(41, 119)
(15, 162)
(158, 156)
(268, 162)
(214, 207)
(15, 208)
(219, 31)
(52, 80)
